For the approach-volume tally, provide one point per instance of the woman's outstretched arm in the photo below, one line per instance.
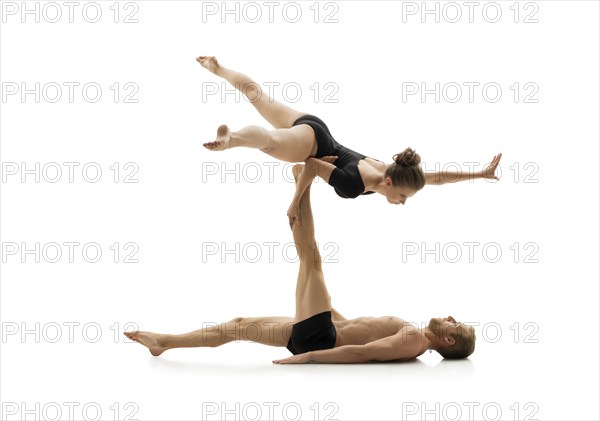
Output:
(443, 177)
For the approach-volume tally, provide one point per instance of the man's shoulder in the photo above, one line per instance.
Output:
(409, 334)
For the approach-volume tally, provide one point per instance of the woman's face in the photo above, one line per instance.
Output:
(397, 195)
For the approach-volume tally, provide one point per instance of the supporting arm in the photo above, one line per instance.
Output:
(312, 168)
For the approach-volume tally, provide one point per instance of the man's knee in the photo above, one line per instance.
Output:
(237, 320)
(309, 255)
(311, 270)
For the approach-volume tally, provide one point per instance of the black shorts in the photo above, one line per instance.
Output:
(316, 332)
(326, 144)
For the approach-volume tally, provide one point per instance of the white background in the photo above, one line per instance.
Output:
(537, 337)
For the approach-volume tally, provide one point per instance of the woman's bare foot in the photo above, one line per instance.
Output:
(223, 139)
(209, 62)
(149, 340)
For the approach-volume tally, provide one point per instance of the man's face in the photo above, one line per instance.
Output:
(444, 327)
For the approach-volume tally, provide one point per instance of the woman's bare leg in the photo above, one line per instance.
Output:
(291, 145)
(273, 331)
(277, 114)
(287, 143)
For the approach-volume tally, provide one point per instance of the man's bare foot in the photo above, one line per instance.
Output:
(223, 139)
(209, 62)
(148, 339)
(330, 159)
(296, 171)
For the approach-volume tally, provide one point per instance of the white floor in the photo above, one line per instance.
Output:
(238, 382)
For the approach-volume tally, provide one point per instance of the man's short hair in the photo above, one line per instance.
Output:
(464, 345)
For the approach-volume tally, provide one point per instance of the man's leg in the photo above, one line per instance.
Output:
(312, 296)
(273, 331)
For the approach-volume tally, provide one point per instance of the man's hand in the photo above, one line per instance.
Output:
(295, 359)
(489, 171)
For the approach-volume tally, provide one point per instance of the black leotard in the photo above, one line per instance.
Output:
(345, 178)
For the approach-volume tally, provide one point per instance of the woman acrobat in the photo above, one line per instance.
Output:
(302, 137)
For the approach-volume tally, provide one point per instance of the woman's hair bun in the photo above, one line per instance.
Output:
(407, 158)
